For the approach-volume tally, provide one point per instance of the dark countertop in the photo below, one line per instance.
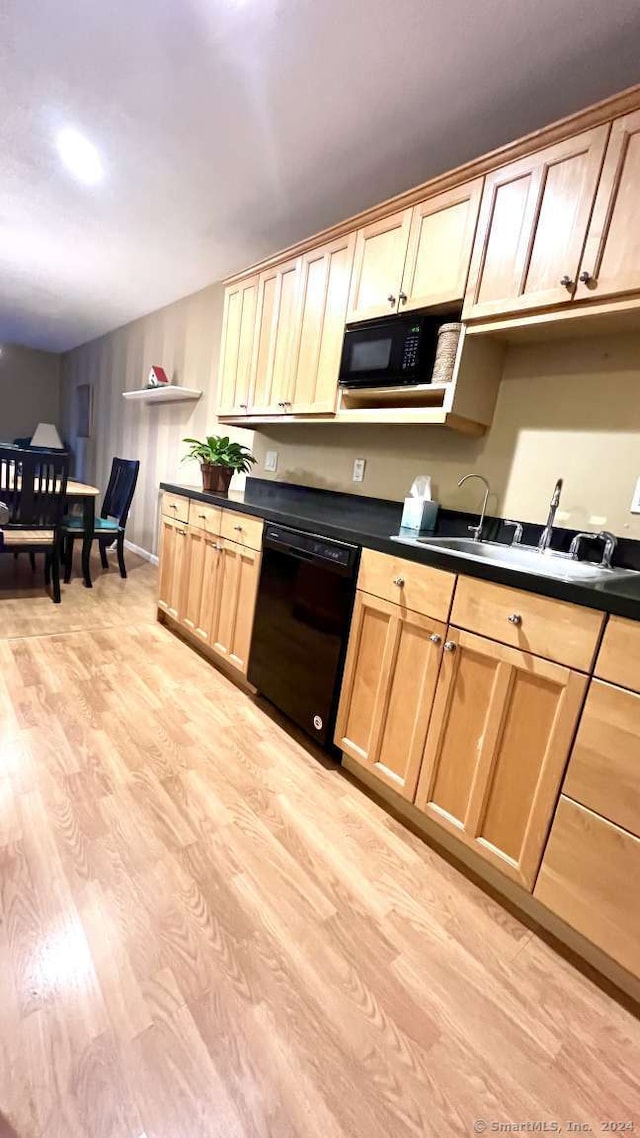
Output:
(371, 521)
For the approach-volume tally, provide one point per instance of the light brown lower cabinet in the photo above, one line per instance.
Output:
(239, 572)
(498, 742)
(173, 563)
(201, 591)
(389, 683)
(209, 585)
(589, 878)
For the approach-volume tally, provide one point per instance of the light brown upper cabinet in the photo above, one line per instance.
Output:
(532, 227)
(236, 349)
(611, 262)
(498, 742)
(273, 341)
(325, 275)
(440, 243)
(387, 693)
(380, 253)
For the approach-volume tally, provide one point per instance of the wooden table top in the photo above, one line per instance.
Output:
(81, 490)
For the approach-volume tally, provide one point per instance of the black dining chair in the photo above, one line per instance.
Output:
(111, 524)
(33, 487)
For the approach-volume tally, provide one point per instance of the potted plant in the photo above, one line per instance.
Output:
(219, 460)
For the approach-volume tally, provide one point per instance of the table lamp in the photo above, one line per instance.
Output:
(47, 437)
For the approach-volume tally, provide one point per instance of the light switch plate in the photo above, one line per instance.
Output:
(358, 469)
(271, 461)
(635, 501)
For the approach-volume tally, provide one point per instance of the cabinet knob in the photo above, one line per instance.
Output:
(399, 581)
(434, 638)
(203, 516)
(238, 529)
(515, 618)
(566, 281)
(172, 506)
(244, 406)
(402, 297)
(585, 277)
(182, 532)
(391, 298)
(450, 645)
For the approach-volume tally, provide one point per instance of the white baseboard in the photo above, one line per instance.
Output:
(152, 557)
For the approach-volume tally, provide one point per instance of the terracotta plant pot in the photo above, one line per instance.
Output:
(215, 478)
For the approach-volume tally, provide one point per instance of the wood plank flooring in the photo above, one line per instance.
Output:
(206, 932)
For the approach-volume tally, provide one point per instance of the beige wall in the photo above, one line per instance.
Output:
(569, 409)
(183, 338)
(29, 390)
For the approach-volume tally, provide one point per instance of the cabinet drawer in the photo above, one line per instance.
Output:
(554, 629)
(173, 506)
(205, 517)
(619, 656)
(406, 583)
(589, 877)
(604, 771)
(242, 528)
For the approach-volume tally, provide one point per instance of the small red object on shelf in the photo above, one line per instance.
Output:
(157, 377)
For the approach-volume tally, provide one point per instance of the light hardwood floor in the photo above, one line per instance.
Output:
(206, 932)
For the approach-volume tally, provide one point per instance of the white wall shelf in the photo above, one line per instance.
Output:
(169, 393)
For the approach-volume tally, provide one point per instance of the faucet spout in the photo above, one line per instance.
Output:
(477, 530)
(547, 533)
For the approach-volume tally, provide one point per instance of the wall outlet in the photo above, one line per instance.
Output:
(271, 461)
(358, 469)
(635, 501)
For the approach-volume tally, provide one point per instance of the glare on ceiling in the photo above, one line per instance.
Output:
(79, 156)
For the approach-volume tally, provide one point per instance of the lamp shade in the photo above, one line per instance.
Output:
(46, 436)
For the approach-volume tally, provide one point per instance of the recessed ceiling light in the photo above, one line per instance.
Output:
(79, 156)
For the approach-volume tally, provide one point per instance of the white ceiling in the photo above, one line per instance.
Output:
(231, 128)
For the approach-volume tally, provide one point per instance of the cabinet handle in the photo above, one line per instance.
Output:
(172, 506)
(238, 529)
(515, 618)
(243, 406)
(399, 581)
(182, 532)
(403, 297)
(391, 298)
(566, 281)
(450, 645)
(434, 638)
(585, 277)
(203, 516)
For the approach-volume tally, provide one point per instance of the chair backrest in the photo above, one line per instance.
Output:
(33, 486)
(121, 488)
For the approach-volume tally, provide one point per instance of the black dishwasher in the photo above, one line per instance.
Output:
(305, 597)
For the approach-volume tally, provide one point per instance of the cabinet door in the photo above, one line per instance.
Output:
(440, 242)
(589, 878)
(611, 259)
(387, 693)
(173, 537)
(236, 348)
(237, 588)
(498, 743)
(201, 583)
(378, 265)
(532, 227)
(325, 275)
(273, 344)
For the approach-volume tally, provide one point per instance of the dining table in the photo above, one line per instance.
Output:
(81, 494)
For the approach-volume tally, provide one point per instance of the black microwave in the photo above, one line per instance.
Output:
(394, 351)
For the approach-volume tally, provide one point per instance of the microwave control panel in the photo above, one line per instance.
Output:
(410, 351)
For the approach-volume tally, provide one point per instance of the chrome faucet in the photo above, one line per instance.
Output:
(609, 541)
(477, 530)
(547, 533)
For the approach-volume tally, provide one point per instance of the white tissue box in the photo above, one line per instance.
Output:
(418, 515)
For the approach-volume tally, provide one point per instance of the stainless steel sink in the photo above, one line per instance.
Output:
(519, 557)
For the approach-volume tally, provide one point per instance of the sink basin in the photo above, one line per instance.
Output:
(519, 557)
